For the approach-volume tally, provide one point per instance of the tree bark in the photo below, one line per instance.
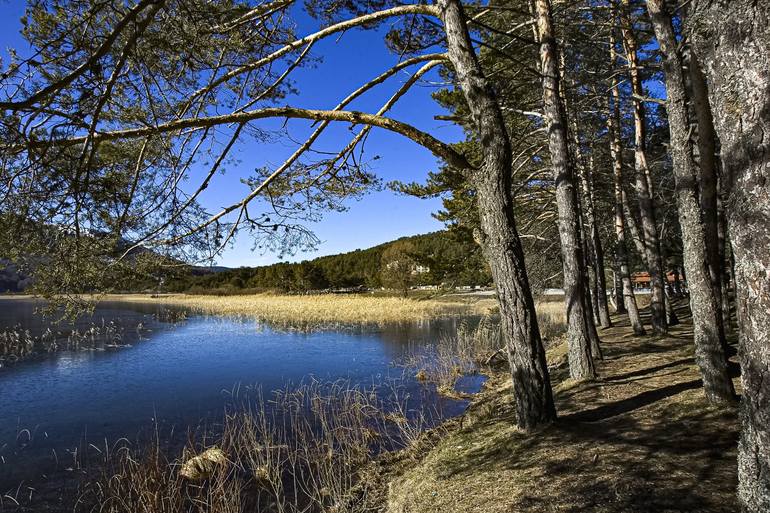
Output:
(498, 235)
(617, 287)
(593, 240)
(641, 248)
(707, 164)
(732, 40)
(725, 278)
(578, 338)
(673, 320)
(616, 152)
(621, 250)
(594, 286)
(709, 184)
(644, 189)
(596, 350)
(633, 228)
(576, 156)
(709, 353)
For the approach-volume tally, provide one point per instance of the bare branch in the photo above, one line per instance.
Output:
(333, 29)
(437, 147)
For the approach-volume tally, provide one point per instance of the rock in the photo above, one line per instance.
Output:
(202, 466)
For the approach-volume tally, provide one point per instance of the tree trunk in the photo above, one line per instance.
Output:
(578, 338)
(732, 40)
(644, 179)
(709, 180)
(594, 286)
(498, 235)
(707, 163)
(576, 154)
(617, 287)
(596, 350)
(616, 152)
(725, 278)
(633, 229)
(593, 240)
(677, 282)
(709, 353)
(673, 320)
(621, 250)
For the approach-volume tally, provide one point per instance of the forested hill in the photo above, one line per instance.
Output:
(11, 279)
(441, 257)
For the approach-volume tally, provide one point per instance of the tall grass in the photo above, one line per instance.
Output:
(315, 310)
(551, 319)
(474, 347)
(19, 344)
(302, 450)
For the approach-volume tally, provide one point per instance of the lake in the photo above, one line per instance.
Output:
(178, 375)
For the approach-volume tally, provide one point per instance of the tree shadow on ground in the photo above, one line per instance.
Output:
(640, 439)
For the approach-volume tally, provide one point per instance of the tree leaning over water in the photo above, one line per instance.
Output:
(44, 123)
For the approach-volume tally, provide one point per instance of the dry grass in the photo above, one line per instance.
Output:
(474, 348)
(552, 319)
(315, 310)
(299, 451)
(640, 439)
(18, 344)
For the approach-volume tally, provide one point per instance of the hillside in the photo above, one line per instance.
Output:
(447, 259)
(11, 279)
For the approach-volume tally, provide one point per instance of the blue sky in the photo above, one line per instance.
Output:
(347, 62)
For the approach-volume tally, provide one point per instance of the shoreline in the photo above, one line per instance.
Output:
(308, 310)
(606, 453)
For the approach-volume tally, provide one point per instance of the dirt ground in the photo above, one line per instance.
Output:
(639, 439)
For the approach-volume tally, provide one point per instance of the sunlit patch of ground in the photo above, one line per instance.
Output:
(639, 439)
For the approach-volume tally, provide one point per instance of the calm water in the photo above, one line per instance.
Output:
(176, 375)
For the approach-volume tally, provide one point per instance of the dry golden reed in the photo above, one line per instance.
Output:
(314, 310)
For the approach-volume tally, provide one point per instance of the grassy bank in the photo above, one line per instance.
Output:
(639, 439)
(319, 309)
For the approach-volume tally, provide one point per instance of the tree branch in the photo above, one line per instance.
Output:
(437, 147)
(105, 47)
(333, 29)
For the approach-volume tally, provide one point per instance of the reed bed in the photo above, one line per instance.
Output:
(18, 344)
(551, 319)
(315, 310)
(301, 450)
(474, 348)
